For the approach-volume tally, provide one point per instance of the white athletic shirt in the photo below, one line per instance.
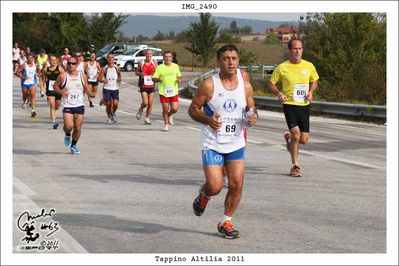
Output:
(74, 86)
(15, 53)
(30, 74)
(230, 105)
(80, 67)
(22, 61)
(92, 71)
(111, 75)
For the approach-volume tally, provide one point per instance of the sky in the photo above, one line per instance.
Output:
(259, 16)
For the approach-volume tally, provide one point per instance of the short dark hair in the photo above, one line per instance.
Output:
(293, 40)
(167, 52)
(228, 47)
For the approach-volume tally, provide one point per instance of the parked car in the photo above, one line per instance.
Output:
(115, 48)
(129, 60)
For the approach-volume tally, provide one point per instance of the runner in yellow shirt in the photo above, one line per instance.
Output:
(42, 58)
(168, 75)
(299, 82)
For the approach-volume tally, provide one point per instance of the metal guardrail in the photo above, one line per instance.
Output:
(359, 110)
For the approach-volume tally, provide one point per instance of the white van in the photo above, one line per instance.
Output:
(129, 59)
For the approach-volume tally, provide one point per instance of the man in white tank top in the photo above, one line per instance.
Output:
(224, 97)
(71, 86)
(110, 75)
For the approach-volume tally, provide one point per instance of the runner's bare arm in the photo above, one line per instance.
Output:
(19, 72)
(273, 89)
(101, 78)
(57, 86)
(86, 86)
(138, 69)
(312, 89)
(203, 95)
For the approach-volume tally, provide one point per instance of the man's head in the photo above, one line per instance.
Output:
(295, 50)
(167, 57)
(72, 64)
(30, 59)
(110, 59)
(66, 51)
(53, 60)
(227, 58)
(148, 54)
(42, 52)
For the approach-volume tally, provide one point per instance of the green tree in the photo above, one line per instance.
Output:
(247, 58)
(246, 30)
(202, 38)
(233, 27)
(349, 52)
(271, 38)
(225, 36)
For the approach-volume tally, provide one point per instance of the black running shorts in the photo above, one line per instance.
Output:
(297, 116)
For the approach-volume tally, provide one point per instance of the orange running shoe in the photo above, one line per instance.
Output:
(295, 171)
(200, 203)
(227, 230)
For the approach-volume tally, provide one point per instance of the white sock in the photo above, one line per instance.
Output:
(226, 218)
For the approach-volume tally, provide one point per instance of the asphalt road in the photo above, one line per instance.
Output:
(131, 188)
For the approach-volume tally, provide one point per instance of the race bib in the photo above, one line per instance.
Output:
(148, 80)
(300, 91)
(169, 91)
(74, 97)
(230, 130)
(51, 85)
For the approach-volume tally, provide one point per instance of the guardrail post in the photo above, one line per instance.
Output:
(262, 69)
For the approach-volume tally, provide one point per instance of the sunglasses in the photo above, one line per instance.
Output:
(71, 63)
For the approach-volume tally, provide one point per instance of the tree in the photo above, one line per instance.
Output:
(247, 57)
(233, 27)
(202, 36)
(55, 31)
(271, 38)
(349, 52)
(225, 36)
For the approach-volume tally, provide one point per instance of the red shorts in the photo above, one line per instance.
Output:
(164, 99)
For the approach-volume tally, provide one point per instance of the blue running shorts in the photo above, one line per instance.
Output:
(211, 157)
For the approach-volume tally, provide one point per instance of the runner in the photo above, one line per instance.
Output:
(299, 82)
(22, 61)
(145, 70)
(92, 70)
(110, 75)
(168, 75)
(64, 58)
(225, 97)
(50, 75)
(28, 74)
(81, 62)
(15, 57)
(71, 86)
(41, 59)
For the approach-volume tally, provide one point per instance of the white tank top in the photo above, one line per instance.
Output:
(230, 105)
(92, 71)
(111, 75)
(81, 67)
(74, 86)
(30, 74)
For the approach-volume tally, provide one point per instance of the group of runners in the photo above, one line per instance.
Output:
(223, 104)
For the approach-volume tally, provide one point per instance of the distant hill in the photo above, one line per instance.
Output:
(149, 25)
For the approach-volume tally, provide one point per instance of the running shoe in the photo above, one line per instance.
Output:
(113, 118)
(287, 136)
(227, 230)
(74, 149)
(101, 103)
(33, 114)
(110, 121)
(55, 125)
(171, 121)
(91, 104)
(23, 105)
(165, 128)
(139, 114)
(147, 121)
(200, 203)
(295, 171)
(42, 94)
(67, 140)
